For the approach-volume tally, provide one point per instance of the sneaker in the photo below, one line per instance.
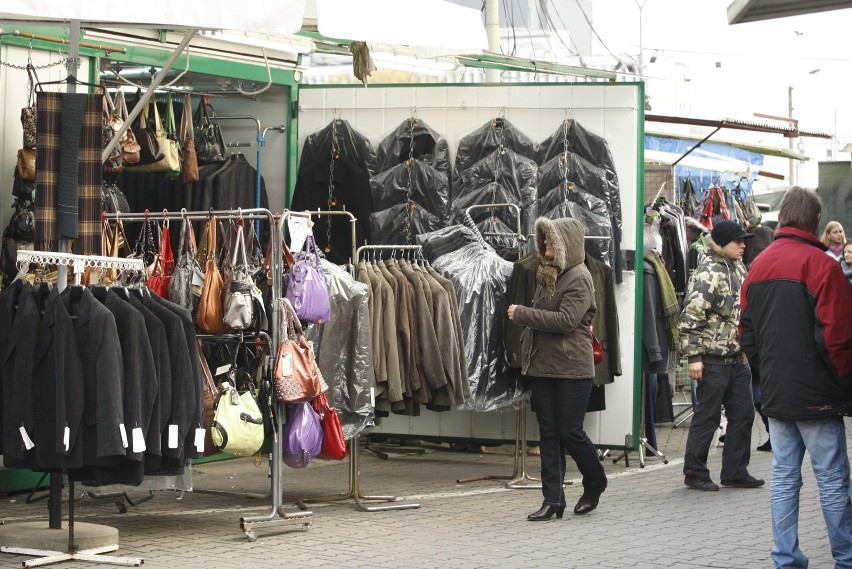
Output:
(747, 482)
(767, 446)
(697, 483)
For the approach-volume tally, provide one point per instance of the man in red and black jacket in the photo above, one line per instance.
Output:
(796, 325)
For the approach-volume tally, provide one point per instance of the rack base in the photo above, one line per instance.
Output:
(36, 539)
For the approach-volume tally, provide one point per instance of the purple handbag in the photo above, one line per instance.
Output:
(307, 290)
(302, 435)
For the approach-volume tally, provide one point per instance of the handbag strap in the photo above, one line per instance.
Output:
(239, 255)
(171, 129)
(186, 127)
(33, 81)
(158, 123)
(205, 367)
(211, 238)
(121, 105)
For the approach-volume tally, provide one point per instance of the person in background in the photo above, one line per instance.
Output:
(796, 328)
(556, 357)
(762, 238)
(710, 341)
(846, 261)
(834, 238)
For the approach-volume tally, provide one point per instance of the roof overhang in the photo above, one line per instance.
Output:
(787, 131)
(743, 11)
(763, 149)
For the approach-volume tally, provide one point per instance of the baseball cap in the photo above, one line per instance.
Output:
(726, 231)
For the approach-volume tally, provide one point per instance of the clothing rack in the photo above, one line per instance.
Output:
(277, 517)
(78, 263)
(354, 490)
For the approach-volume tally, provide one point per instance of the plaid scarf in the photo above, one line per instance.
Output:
(671, 307)
(86, 149)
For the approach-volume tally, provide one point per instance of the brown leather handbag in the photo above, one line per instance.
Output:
(296, 376)
(210, 315)
(209, 401)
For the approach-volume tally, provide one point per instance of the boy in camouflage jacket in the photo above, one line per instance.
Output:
(710, 342)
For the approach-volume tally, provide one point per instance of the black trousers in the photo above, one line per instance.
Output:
(560, 406)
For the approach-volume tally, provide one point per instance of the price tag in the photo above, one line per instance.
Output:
(299, 229)
(28, 442)
(287, 364)
(372, 397)
(173, 436)
(223, 369)
(66, 438)
(199, 440)
(138, 440)
(123, 432)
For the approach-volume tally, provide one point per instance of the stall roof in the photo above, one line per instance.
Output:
(743, 11)
(764, 149)
(736, 124)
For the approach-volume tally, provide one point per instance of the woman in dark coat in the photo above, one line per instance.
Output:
(556, 354)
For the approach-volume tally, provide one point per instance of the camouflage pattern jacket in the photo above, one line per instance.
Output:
(709, 319)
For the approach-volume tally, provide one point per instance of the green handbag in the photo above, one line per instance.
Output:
(237, 424)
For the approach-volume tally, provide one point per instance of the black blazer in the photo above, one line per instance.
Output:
(19, 324)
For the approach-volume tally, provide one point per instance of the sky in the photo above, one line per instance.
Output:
(742, 69)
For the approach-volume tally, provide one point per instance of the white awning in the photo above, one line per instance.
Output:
(707, 161)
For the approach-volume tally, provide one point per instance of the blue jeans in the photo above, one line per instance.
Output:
(560, 407)
(825, 441)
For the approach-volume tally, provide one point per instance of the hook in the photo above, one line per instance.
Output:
(147, 212)
(165, 218)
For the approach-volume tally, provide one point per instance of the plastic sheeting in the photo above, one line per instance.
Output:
(573, 205)
(400, 224)
(350, 143)
(496, 133)
(446, 240)
(503, 176)
(481, 279)
(429, 147)
(418, 181)
(344, 350)
(498, 234)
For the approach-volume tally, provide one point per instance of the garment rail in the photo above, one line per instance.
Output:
(354, 490)
(278, 517)
(644, 445)
(105, 534)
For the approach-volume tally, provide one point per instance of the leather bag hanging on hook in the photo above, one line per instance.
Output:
(210, 316)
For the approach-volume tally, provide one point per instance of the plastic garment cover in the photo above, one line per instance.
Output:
(418, 181)
(344, 350)
(593, 148)
(498, 234)
(446, 240)
(577, 170)
(350, 142)
(503, 176)
(496, 133)
(575, 205)
(400, 224)
(481, 279)
(429, 147)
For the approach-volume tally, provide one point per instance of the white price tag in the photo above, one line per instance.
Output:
(299, 229)
(199, 440)
(138, 440)
(28, 442)
(66, 438)
(223, 369)
(372, 397)
(173, 436)
(287, 364)
(123, 432)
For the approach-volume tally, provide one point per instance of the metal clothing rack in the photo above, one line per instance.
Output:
(277, 517)
(643, 441)
(354, 491)
(78, 263)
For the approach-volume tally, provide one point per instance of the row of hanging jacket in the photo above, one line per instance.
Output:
(408, 187)
(667, 220)
(103, 384)
(418, 351)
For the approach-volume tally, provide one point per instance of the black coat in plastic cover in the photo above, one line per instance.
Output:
(496, 133)
(503, 176)
(400, 224)
(350, 142)
(429, 188)
(429, 147)
(577, 170)
(481, 280)
(595, 225)
(498, 234)
(445, 241)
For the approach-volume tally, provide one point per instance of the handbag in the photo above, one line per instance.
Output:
(296, 376)
(130, 149)
(209, 144)
(27, 164)
(28, 113)
(186, 138)
(597, 348)
(307, 290)
(164, 266)
(210, 315)
(333, 441)
(186, 269)
(208, 398)
(170, 160)
(302, 436)
(237, 423)
(242, 297)
(149, 146)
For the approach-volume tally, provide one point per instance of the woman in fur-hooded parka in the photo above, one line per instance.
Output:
(556, 357)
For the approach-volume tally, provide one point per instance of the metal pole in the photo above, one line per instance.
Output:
(492, 32)
(790, 114)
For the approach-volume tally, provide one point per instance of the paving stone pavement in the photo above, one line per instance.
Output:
(646, 519)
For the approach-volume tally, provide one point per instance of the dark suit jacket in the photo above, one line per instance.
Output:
(19, 325)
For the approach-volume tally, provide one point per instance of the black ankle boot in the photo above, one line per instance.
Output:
(545, 513)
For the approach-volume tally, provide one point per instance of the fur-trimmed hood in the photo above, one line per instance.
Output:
(566, 236)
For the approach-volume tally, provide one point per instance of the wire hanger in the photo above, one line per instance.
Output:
(71, 79)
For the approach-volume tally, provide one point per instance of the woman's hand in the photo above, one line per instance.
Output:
(511, 311)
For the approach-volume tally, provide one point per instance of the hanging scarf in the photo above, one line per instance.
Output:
(671, 307)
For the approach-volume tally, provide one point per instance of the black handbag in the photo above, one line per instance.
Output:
(209, 145)
(149, 146)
